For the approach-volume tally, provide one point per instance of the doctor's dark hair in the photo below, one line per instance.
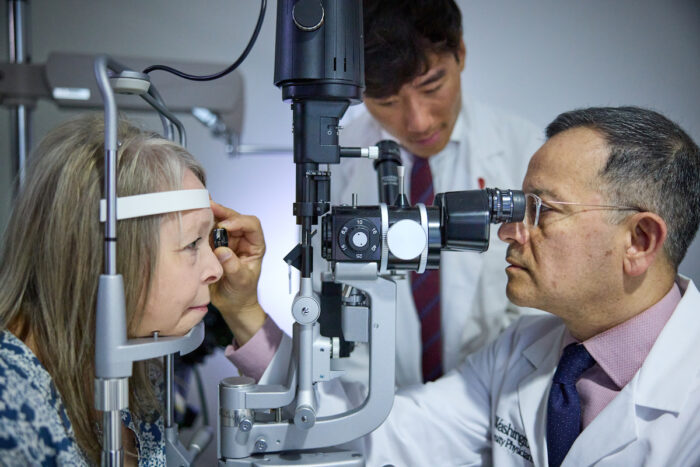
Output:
(399, 35)
(653, 165)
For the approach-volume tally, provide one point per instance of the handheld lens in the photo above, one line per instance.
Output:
(220, 238)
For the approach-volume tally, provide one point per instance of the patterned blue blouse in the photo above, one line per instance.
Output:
(34, 425)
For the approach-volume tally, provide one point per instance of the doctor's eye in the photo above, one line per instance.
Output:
(386, 103)
(433, 90)
(544, 208)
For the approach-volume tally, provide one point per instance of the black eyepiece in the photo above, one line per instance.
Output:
(220, 237)
(506, 205)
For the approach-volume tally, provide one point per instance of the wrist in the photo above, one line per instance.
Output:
(245, 321)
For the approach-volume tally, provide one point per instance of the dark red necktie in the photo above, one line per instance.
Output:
(426, 287)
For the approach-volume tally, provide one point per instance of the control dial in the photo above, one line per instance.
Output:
(359, 238)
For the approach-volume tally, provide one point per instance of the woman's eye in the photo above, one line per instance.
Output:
(194, 246)
(433, 90)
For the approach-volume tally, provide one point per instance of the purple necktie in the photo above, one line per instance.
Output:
(426, 286)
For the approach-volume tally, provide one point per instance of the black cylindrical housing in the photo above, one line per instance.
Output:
(386, 166)
(459, 221)
(344, 222)
(466, 216)
(319, 50)
(464, 220)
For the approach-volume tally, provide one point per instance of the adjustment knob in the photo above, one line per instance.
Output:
(406, 239)
(326, 236)
(358, 238)
(308, 15)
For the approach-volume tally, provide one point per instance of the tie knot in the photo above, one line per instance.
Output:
(574, 361)
(420, 165)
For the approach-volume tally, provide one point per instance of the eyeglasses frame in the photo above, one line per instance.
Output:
(539, 202)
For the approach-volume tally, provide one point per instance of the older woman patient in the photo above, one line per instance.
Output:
(51, 259)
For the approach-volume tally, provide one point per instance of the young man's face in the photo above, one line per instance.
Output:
(571, 263)
(424, 111)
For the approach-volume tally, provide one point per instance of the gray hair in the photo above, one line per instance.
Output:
(653, 165)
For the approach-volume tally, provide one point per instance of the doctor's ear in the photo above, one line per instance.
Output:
(647, 233)
(461, 55)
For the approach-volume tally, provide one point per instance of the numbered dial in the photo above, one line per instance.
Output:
(359, 239)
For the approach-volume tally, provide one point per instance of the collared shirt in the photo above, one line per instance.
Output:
(619, 353)
(34, 425)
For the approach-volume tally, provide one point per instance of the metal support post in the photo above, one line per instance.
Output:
(21, 113)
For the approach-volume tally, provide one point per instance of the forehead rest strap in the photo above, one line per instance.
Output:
(161, 202)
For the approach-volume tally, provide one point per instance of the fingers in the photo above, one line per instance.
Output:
(221, 212)
(234, 221)
(244, 231)
(242, 225)
(229, 261)
(223, 254)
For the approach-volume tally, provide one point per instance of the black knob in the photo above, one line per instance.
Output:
(308, 14)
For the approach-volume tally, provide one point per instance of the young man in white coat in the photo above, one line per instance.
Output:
(414, 55)
(612, 376)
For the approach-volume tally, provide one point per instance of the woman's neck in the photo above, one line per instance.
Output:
(18, 329)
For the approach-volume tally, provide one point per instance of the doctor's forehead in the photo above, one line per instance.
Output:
(569, 161)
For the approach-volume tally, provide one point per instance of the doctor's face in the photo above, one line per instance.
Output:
(572, 260)
(185, 267)
(424, 111)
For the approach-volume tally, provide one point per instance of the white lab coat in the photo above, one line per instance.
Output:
(492, 409)
(492, 145)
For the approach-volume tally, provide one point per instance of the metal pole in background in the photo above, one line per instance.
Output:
(20, 114)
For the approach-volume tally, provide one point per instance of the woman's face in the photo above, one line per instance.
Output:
(185, 267)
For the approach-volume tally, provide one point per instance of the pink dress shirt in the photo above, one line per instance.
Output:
(619, 353)
(253, 358)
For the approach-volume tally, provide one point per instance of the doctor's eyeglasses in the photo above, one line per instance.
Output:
(534, 206)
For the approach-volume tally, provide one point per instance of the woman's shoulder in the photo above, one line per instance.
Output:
(21, 373)
(34, 426)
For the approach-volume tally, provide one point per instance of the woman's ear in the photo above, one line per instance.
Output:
(647, 233)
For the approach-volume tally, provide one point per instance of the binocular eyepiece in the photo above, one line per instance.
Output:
(411, 237)
(465, 215)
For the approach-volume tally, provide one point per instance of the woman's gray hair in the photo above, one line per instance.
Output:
(52, 254)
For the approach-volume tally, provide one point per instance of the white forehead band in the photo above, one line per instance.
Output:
(150, 204)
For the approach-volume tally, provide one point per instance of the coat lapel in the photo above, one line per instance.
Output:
(484, 148)
(613, 429)
(662, 383)
(534, 389)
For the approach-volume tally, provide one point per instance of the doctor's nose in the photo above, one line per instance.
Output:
(417, 116)
(514, 232)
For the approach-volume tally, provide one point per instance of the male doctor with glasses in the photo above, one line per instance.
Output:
(610, 375)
